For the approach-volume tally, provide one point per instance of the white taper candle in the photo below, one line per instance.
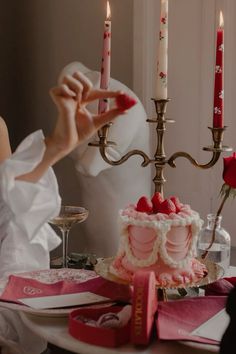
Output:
(162, 63)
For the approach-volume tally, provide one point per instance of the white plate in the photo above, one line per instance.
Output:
(210, 347)
(64, 312)
(61, 312)
(84, 298)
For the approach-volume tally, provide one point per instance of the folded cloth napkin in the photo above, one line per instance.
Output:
(19, 287)
(177, 319)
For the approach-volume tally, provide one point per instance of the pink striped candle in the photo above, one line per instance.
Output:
(106, 60)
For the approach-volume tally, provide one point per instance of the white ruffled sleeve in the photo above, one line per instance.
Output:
(30, 205)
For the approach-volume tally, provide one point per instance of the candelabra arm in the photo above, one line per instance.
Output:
(124, 158)
(212, 162)
(217, 148)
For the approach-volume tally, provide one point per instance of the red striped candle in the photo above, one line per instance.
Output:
(106, 60)
(219, 71)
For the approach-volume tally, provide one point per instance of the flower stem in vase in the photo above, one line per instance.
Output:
(226, 192)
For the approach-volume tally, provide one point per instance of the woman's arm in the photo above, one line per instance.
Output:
(5, 148)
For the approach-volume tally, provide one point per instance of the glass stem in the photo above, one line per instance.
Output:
(65, 234)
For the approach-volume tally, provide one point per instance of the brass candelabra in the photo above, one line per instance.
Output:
(160, 160)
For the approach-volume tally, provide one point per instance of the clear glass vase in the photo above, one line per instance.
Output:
(220, 250)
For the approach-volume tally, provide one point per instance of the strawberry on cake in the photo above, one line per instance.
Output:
(161, 236)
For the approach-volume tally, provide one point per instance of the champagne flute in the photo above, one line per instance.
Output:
(67, 218)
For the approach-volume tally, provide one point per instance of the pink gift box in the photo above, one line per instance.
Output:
(144, 307)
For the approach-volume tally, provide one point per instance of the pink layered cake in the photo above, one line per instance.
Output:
(161, 236)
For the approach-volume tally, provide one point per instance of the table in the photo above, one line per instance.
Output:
(55, 331)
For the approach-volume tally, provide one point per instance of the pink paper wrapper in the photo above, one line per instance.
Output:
(20, 287)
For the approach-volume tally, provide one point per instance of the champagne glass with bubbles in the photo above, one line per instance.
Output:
(67, 218)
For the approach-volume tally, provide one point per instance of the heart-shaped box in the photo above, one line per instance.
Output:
(106, 337)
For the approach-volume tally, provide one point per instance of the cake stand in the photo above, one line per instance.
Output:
(215, 272)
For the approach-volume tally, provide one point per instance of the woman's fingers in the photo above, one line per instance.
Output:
(74, 85)
(83, 88)
(98, 94)
(61, 91)
(102, 119)
(79, 84)
(87, 84)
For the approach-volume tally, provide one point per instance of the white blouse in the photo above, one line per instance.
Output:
(25, 236)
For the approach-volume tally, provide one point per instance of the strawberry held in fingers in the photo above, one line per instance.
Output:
(124, 101)
(144, 205)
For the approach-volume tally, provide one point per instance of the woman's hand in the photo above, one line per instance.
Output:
(75, 123)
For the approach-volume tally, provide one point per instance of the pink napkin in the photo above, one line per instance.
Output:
(20, 287)
(221, 287)
(177, 319)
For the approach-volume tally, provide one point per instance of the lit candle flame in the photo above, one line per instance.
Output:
(108, 11)
(221, 20)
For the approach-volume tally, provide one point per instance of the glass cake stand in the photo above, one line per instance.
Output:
(215, 272)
